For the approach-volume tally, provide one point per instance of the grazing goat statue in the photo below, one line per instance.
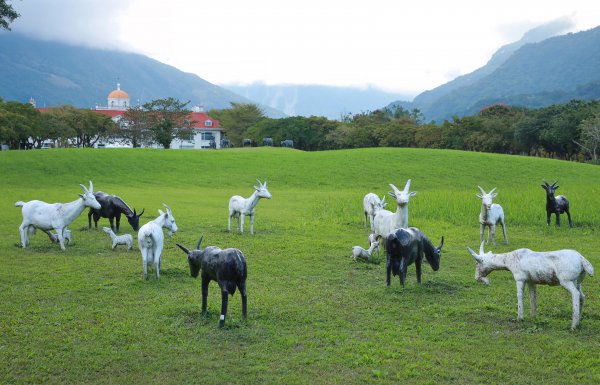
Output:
(56, 216)
(372, 204)
(359, 252)
(561, 267)
(111, 207)
(151, 239)
(54, 237)
(240, 207)
(226, 267)
(125, 239)
(556, 205)
(385, 221)
(491, 215)
(407, 246)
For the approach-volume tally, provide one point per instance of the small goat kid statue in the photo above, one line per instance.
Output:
(491, 215)
(57, 216)
(566, 268)
(556, 205)
(240, 207)
(226, 267)
(407, 246)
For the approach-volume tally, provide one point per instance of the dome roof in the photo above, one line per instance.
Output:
(118, 94)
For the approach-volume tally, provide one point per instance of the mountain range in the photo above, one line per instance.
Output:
(316, 100)
(533, 72)
(538, 70)
(55, 74)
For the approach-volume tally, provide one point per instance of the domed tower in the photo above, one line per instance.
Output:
(118, 99)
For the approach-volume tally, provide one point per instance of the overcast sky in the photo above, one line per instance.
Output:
(395, 45)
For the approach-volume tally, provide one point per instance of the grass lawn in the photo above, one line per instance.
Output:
(85, 315)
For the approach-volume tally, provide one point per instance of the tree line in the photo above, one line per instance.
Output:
(568, 131)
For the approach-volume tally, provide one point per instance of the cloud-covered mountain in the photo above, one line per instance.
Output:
(315, 100)
(56, 74)
(532, 72)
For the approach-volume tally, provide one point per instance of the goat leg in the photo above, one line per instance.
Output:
(388, 271)
(242, 288)
(205, 282)
(224, 302)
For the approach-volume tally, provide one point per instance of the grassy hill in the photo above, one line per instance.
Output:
(314, 316)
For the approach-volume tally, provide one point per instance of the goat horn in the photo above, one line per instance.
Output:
(84, 188)
(259, 183)
(183, 248)
(91, 187)
(167, 207)
(556, 181)
(394, 188)
(199, 242)
(546, 183)
(492, 190)
(407, 186)
(482, 190)
(481, 248)
(441, 243)
(140, 214)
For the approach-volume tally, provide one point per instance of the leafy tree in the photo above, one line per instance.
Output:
(167, 119)
(237, 119)
(7, 15)
(133, 126)
(590, 136)
(19, 122)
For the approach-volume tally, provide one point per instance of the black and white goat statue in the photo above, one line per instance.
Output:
(556, 205)
(407, 246)
(226, 267)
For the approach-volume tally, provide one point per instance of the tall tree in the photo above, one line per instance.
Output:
(237, 119)
(590, 136)
(7, 15)
(167, 119)
(133, 126)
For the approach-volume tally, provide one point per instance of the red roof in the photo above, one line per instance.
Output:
(201, 119)
(111, 113)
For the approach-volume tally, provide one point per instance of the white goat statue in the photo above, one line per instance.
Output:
(561, 267)
(66, 235)
(385, 221)
(372, 204)
(240, 207)
(491, 214)
(125, 239)
(359, 252)
(55, 216)
(151, 239)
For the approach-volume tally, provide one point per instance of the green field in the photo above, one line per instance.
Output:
(85, 315)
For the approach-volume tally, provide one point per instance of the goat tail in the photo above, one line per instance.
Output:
(19, 204)
(587, 266)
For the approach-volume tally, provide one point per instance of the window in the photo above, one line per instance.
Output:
(207, 136)
(208, 123)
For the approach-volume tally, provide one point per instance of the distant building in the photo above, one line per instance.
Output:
(207, 131)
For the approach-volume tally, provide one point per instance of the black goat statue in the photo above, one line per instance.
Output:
(111, 207)
(226, 267)
(556, 205)
(407, 246)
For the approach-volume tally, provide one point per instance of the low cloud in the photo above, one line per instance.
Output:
(80, 22)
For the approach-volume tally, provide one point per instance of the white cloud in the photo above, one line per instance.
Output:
(395, 45)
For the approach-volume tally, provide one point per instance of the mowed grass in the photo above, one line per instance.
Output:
(85, 315)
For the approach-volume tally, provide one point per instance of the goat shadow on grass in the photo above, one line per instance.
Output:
(193, 318)
(428, 287)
